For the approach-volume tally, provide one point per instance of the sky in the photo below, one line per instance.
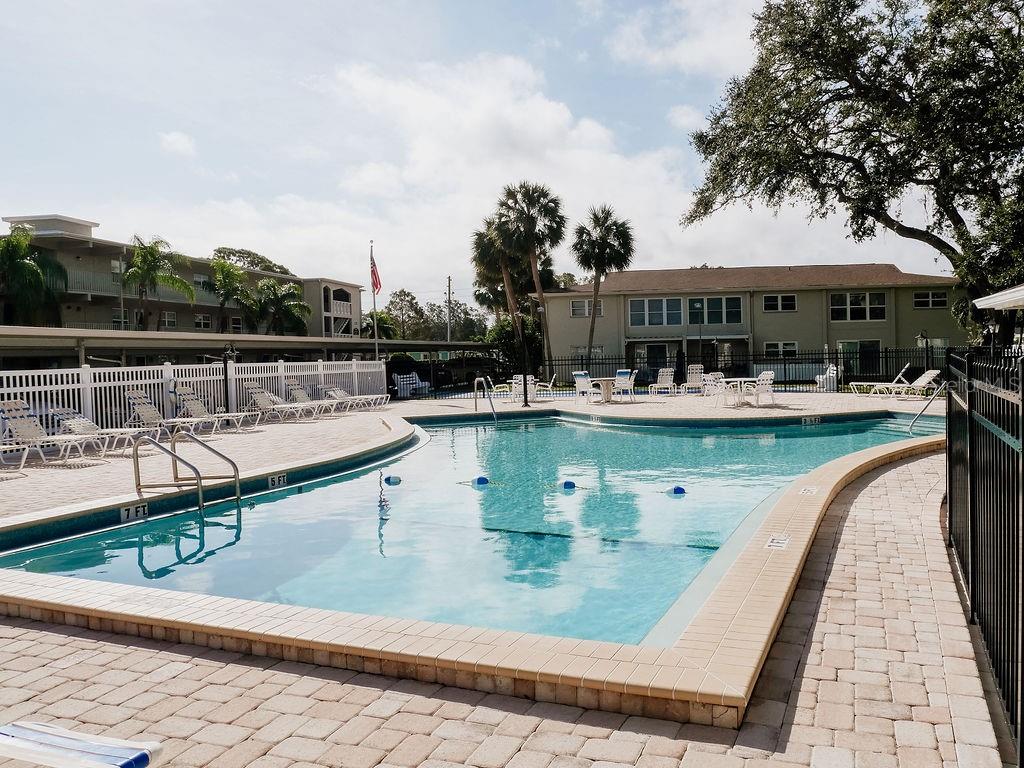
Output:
(302, 130)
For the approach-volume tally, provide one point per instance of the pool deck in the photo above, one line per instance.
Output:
(872, 667)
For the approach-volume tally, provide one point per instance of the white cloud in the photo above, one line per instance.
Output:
(691, 36)
(178, 143)
(441, 141)
(685, 118)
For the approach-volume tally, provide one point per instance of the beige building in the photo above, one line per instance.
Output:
(771, 311)
(96, 300)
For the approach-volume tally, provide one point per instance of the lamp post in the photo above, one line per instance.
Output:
(923, 341)
(992, 328)
(699, 305)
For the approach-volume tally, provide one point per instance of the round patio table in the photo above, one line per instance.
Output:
(606, 385)
(740, 381)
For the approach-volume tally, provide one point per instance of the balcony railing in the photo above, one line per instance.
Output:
(84, 281)
(341, 308)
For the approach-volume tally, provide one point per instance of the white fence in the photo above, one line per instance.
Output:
(99, 393)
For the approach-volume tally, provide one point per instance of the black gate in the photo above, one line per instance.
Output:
(985, 507)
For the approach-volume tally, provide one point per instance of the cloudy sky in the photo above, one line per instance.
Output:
(304, 129)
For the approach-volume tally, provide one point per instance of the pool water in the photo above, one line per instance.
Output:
(604, 561)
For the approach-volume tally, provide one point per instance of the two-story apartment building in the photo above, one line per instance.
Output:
(775, 311)
(95, 298)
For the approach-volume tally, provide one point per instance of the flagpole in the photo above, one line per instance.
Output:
(376, 347)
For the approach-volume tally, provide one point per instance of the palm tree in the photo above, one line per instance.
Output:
(529, 222)
(228, 283)
(153, 265)
(283, 307)
(386, 326)
(602, 243)
(27, 275)
(491, 259)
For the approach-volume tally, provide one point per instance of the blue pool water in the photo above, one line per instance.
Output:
(605, 561)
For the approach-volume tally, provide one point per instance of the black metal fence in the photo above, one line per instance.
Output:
(985, 505)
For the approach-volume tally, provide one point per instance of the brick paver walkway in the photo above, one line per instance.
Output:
(873, 668)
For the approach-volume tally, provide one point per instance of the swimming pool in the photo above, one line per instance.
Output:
(604, 561)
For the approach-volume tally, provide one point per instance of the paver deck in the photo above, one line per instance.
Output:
(873, 667)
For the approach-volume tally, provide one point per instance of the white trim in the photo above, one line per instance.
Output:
(1011, 298)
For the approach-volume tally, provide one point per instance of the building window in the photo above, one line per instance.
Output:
(235, 324)
(582, 307)
(779, 302)
(715, 310)
(199, 282)
(930, 300)
(168, 319)
(578, 351)
(655, 312)
(119, 321)
(780, 349)
(204, 322)
(857, 306)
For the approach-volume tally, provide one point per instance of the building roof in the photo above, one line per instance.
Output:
(49, 217)
(796, 277)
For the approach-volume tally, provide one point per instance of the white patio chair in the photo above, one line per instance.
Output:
(546, 388)
(919, 387)
(516, 391)
(694, 379)
(46, 744)
(326, 406)
(193, 406)
(369, 402)
(665, 383)
(585, 388)
(270, 406)
(868, 387)
(145, 414)
(623, 384)
(827, 381)
(720, 390)
(72, 422)
(499, 390)
(714, 376)
(763, 386)
(23, 428)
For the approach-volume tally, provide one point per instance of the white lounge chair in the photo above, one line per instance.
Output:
(623, 384)
(45, 744)
(409, 384)
(516, 390)
(23, 429)
(827, 381)
(193, 406)
(585, 388)
(919, 387)
(329, 405)
(867, 387)
(763, 386)
(370, 402)
(499, 390)
(710, 378)
(72, 422)
(145, 414)
(270, 406)
(694, 379)
(665, 383)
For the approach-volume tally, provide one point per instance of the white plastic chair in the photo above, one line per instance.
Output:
(623, 384)
(585, 388)
(869, 387)
(763, 386)
(694, 379)
(716, 387)
(665, 383)
(546, 387)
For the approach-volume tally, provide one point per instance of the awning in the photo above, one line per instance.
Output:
(1011, 298)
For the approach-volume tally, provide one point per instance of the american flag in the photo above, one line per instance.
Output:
(374, 276)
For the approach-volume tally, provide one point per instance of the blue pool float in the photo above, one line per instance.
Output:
(480, 480)
(676, 490)
(568, 485)
(392, 480)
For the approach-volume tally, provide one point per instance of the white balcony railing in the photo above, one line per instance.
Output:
(341, 308)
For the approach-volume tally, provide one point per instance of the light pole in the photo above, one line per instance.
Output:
(992, 328)
(230, 353)
(699, 304)
(923, 341)
(525, 360)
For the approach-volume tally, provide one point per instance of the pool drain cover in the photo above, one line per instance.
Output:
(777, 541)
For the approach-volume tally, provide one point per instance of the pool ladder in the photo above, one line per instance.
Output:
(178, 481)
(481, 381)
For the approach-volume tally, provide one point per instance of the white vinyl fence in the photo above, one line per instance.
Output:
(99, 393)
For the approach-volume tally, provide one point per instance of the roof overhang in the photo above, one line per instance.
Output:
(1011, 298)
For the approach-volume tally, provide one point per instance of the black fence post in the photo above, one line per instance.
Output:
(1016, 609)
(972, 543)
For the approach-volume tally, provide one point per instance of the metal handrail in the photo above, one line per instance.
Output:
(483, 381)
(139, 485)
(920, 413)
(202, 443)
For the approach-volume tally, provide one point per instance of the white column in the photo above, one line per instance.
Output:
(231, 406)
(168, 387)
(86, 393)
(281, 390)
